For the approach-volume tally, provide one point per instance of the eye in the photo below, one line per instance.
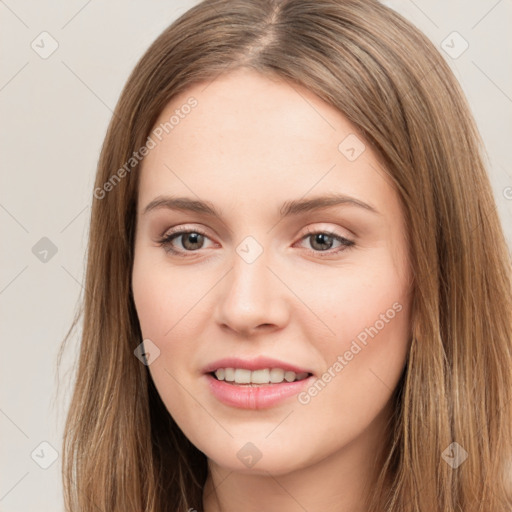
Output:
(191, 240)
(323, 241)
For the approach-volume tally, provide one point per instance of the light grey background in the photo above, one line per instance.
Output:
(55, 111)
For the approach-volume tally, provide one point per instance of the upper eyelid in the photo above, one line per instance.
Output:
(309, 230)
(182, 231)
(184, 228)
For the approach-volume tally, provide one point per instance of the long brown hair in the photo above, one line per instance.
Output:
(122, 451)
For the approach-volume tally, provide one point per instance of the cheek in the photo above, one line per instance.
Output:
(164, 299)
(360, 300)
(162, 296)
(148, 303)
(162, 313)
(365, 357)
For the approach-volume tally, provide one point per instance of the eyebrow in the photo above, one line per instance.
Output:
(289, 208)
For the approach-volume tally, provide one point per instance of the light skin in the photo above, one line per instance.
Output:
(251, 144)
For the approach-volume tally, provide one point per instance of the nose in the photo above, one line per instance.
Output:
(251, 299)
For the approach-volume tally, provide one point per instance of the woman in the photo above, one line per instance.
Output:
(298, 288)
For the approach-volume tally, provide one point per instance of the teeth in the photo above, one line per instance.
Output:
(289, 376)
(276, 375)
(259, 376)
(265, 376)
(242, 376)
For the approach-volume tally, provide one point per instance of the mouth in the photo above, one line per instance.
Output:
(259, 388)
(258, 378)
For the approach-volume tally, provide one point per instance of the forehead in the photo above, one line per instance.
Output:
(261, 139)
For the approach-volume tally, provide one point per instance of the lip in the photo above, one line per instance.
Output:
(258, 363)
(262, 396)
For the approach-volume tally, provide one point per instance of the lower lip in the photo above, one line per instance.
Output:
(261, 396)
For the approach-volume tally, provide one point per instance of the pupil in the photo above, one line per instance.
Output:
(322, 238)
(193, 239)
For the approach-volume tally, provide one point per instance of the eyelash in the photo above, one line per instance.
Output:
(166, 240)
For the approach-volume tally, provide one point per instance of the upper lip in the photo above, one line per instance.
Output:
(258, 363)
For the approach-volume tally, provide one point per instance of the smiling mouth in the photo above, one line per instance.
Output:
(257, 378)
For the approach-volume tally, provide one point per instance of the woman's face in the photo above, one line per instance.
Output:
(275, 273)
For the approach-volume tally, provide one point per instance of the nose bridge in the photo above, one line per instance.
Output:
(251, 295)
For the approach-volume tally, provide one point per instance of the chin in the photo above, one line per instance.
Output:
(257, 458)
